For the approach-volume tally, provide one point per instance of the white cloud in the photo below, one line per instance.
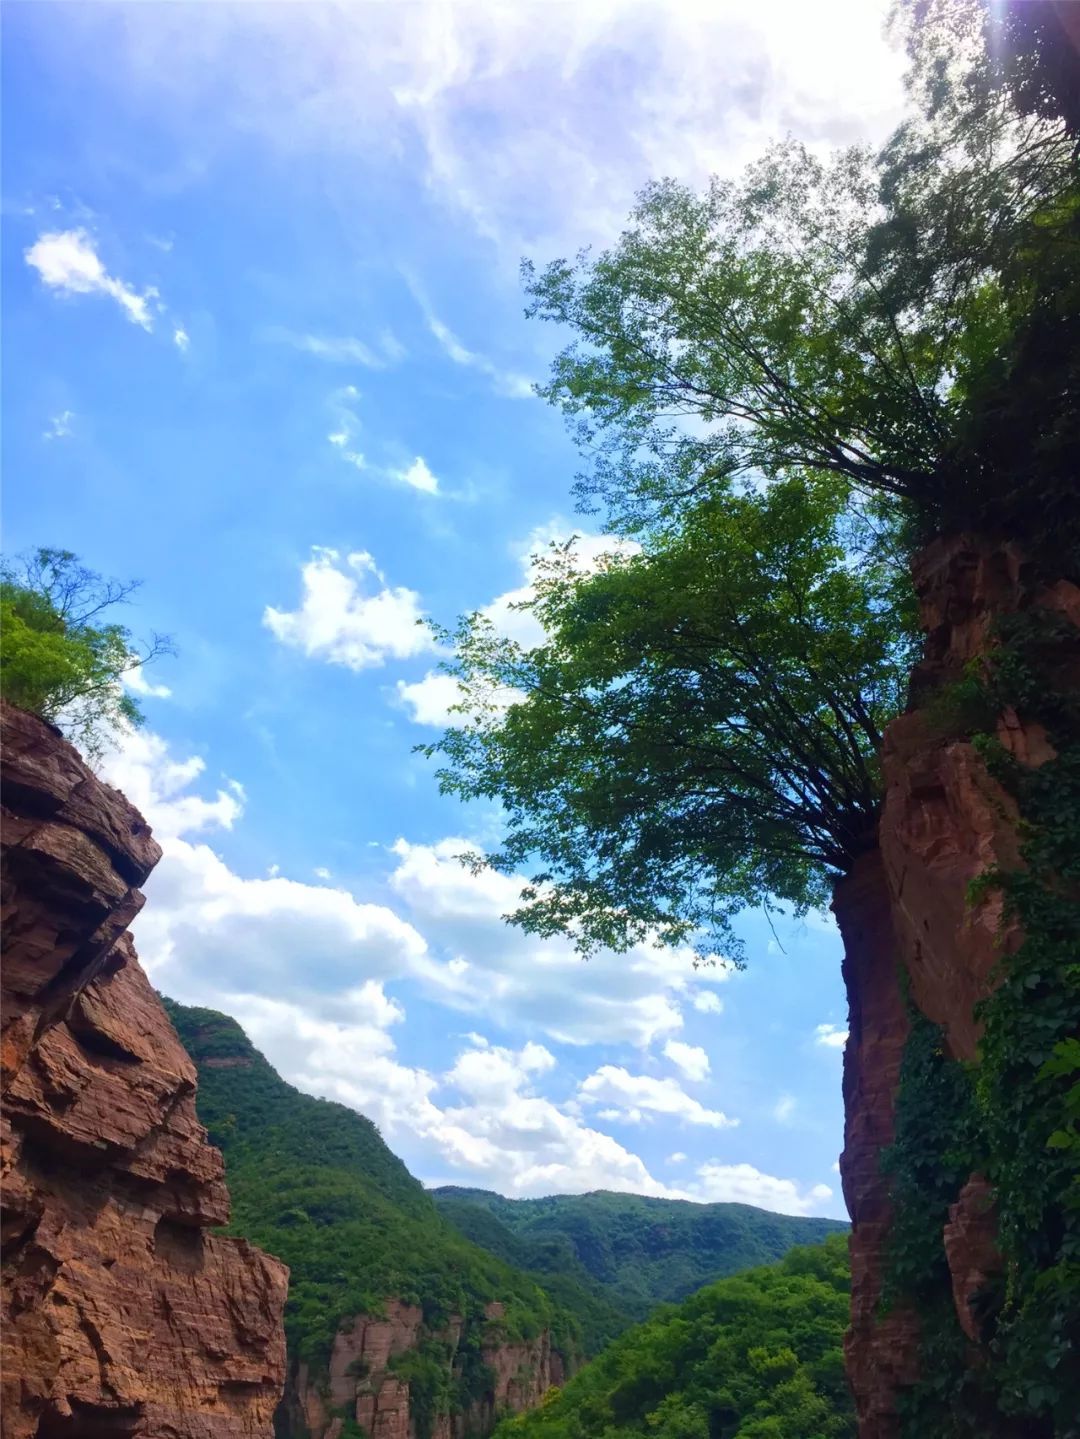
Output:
(689, 1058)
(68, 263)
(431, 700)
(743, 1184)
(707, 1002)
(687, 90)
(321, 872)
(521, 981)
(136, 681)
(342, 349)
(831, 1035)
(784, 1108)
(418, 475)
(615, 1086)
(181, 339)
(677, 1158)
(157, 784)
(349, 615)
(320, 980)
(59, 427)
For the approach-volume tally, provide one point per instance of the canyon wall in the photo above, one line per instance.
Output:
(122, 1314)
(361, 1384)
(910, 923)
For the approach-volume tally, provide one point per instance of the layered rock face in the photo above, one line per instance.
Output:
(907, 918)
(122, 1314)
(361, 1383)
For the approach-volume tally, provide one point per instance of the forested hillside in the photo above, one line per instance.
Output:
(638, 1251)
(313, 1183)
(755, 1355)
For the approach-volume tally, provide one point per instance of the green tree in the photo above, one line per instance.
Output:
(59, 656)
(698, 730)
(840, 315)
(751, 1356)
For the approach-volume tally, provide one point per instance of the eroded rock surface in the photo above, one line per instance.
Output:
(361, 1382)
(121, 1314)
(909, 920)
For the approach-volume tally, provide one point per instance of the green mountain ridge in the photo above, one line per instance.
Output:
(314, 1183)
(633, 1250)
(757, 1355)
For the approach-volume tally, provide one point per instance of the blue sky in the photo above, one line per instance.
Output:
(265, 350)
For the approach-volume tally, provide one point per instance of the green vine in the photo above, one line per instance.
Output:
(1015, 1115)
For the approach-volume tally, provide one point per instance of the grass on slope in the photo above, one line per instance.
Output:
(639, 1251)
(754, 1356)
(313, 1183)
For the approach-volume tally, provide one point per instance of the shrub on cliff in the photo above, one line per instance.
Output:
(58, 656)
(756, 1356)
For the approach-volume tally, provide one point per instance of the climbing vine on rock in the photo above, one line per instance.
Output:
(1015, 1115)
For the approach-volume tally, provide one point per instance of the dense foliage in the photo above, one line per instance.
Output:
(313, 1183)
(698, 730)
(779, 384)
(843, 315)
(756, 1356)
(637, 1251)
(58, 655)
(1015, 1116)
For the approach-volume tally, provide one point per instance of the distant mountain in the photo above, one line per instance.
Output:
(758, 1353)
(634, 1251)
(385, 1295)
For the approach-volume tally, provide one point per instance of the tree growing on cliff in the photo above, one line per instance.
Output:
(59, 656)
(698, 729)
(845, 315)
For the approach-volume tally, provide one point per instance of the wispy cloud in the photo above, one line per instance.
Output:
(341, 349)
(181, 339)
(346, 425)
(59, 426)
(68, 262)
(505, 382)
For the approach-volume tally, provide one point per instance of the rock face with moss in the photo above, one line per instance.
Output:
(399, 1327)
(122, 1313)
(961, 1069)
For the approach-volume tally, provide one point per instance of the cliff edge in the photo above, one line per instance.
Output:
(929, 944)
(122, 1314)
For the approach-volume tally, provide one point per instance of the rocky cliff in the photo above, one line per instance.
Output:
(921, 941)
(374, 1379)
(122, 1314)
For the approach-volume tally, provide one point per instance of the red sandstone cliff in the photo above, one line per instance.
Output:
(362, 1385)
(905, 911)
(122, 1314)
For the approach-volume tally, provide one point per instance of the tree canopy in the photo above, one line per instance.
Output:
(756, 1356)
(59, 656)
(846, 315)
(778, 384)
(698, 730)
